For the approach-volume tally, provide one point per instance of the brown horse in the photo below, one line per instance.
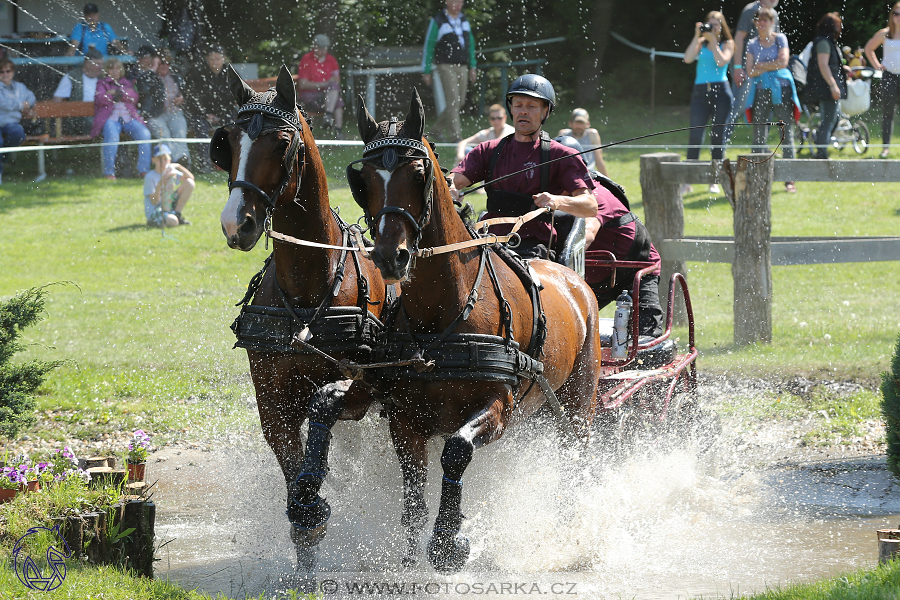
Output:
(308, 286)
(446, 299)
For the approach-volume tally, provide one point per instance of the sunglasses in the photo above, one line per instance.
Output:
(496, 118)
(895, 14)
(7, 71)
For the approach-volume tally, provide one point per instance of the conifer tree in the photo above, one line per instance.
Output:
(19, 382)
(890, 409)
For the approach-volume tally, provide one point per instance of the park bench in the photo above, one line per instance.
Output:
(53, 114)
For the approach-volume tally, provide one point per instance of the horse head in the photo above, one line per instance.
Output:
(264, 153)
(395, 184)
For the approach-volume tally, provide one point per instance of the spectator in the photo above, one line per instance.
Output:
(16, 100)
(745, 31)
(150, 88)
(771, 87)
(79, 85)
(319, 84)
(172, 122)
(115, 110)
(826, 79)
(712, 49)
(208, 102)
(497, 130)
(450, 51)
(93, 32)
(167, 189)
(890, 67)
(588, 137)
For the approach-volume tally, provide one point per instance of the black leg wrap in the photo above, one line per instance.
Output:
(447, 551)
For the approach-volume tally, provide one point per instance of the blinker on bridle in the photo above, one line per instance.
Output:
(254, 127)
(387, 151)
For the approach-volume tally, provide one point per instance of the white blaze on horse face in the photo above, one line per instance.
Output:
(231, 213)
(386, 177)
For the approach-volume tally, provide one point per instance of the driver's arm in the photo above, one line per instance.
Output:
(581, 203)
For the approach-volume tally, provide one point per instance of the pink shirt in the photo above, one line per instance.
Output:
(617, 240)
(311, 69)
(566, 176)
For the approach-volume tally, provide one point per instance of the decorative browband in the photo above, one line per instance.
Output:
(394, 142)
(289, 118)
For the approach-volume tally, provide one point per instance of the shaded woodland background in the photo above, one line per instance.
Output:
(589, 68)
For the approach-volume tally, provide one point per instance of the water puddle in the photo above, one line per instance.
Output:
(661, 526)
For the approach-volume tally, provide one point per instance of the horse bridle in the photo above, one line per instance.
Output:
(254, 128)
(385, 150)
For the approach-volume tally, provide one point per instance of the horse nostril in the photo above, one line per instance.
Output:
(402, 258)
(248, 226)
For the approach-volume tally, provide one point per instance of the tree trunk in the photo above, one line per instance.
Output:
(591, 61)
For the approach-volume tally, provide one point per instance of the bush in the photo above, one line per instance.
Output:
(890, 408)
(19, 383)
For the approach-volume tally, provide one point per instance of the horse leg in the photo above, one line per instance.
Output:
(307, 511)
(412, 452)
(447, 550)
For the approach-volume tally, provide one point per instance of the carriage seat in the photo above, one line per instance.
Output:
(655, 356)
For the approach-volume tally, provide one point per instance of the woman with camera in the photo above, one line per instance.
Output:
(712, 48)
(772, 95)
(115, 110)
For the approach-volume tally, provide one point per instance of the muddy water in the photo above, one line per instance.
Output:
(659, 525)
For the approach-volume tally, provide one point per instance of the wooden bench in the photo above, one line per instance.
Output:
(53, 114)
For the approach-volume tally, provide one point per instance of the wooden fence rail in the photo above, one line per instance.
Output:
(752, 252)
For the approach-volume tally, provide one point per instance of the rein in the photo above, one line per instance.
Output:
(780, 124)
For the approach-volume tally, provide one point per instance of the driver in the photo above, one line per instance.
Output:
(563, 185)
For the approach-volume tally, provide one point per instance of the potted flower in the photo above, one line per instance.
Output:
(9, 483)
(137, 455)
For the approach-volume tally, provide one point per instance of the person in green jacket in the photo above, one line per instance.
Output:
(449, 52)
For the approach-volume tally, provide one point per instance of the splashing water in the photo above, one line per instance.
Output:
(655, 525)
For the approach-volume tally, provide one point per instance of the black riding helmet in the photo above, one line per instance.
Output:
(534, 86)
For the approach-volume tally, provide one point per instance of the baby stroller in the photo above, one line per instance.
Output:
(847, 130)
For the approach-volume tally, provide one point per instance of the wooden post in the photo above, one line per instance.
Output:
(752, 266)
(141, 515)
(664, 217)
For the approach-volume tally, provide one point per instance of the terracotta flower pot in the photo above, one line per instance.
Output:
(136, 471)
(7, 495)
(33, 486)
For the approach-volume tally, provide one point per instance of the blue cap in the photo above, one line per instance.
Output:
(160, 150)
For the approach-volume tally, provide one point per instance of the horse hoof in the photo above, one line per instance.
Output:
(310, 522)
(448, 554)
(307, 538)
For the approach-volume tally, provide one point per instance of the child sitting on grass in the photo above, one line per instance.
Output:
(167, 188)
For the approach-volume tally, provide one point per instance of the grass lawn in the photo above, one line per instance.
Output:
(141, 315)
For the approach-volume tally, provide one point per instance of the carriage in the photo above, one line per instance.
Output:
(473, 342)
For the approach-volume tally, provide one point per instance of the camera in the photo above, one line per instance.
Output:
(705, 27)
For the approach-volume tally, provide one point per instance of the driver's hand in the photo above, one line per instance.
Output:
(546, 200)
(454, 193)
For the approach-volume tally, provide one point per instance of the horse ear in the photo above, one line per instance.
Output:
(367, 125)
(240, 90)
(284, 86)
(414, 126)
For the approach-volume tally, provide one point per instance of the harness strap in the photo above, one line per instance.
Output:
(470, 303)
(255, 282)
(505, 307)
(292, 240)
(625, 219)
